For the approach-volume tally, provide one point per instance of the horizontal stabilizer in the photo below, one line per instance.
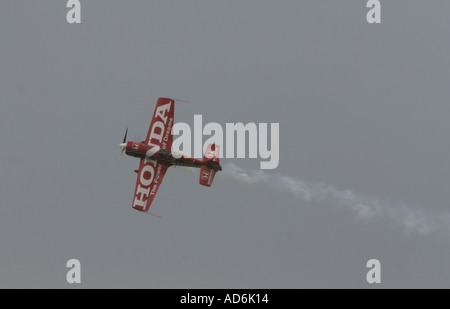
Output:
(210, 165)
(207, 176)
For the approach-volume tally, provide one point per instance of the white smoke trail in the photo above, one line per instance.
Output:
(410, 219)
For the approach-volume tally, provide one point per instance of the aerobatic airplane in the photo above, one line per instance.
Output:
(156, 156)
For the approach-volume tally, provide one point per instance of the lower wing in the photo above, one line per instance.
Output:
(150, 176)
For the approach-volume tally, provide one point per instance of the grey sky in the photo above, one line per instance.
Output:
(361, 107)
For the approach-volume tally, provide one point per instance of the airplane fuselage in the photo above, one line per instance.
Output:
(140, 150)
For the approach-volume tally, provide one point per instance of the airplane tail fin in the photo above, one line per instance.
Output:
(210, 165)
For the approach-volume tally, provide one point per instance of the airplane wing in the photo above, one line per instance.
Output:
(160, 131)
(150, 176)
(151, 172)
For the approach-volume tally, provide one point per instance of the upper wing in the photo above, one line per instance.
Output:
(150, 176)
(160, 131)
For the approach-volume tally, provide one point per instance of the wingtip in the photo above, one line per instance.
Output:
(149, 213)
(185, 101)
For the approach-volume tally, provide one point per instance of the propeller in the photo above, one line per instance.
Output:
(123, 145)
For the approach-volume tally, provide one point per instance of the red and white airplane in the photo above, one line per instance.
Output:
(156, 156)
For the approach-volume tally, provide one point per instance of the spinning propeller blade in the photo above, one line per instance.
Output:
(125, 137)
(123, 146)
